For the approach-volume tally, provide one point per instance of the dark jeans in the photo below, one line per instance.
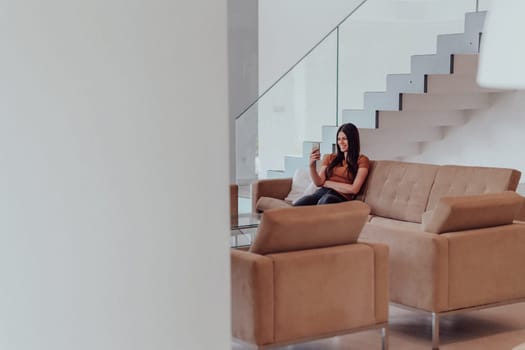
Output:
(321, 196)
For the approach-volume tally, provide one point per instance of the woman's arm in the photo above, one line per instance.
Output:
(354, 188)
(317, 178)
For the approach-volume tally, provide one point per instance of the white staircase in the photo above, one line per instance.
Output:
(415, 107)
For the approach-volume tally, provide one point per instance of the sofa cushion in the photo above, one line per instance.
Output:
(471, 212)
(265, 203)
(399, 190)
(391, 223)
(308, 227)
(454, 180)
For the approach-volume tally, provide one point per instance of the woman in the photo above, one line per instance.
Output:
(342, 174)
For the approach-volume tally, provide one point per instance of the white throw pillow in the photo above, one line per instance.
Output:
(302, 185)
(310, 189)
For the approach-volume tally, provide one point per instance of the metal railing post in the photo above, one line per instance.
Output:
(337, 79)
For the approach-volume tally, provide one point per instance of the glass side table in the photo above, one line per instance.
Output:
(243, 229)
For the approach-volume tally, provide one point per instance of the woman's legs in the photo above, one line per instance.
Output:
(331, 197)
(312, 199)
(321, 196)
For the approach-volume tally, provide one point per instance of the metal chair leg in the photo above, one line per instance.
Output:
(435, 331)
(384, 338)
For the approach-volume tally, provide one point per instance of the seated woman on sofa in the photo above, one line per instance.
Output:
(342, 174)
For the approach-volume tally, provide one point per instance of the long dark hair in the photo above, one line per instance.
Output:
(354, 149)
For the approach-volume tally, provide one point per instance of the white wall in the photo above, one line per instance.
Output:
(491, 137)
(114, 216)
(288, 29)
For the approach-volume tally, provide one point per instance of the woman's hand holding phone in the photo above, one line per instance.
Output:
(315, 154)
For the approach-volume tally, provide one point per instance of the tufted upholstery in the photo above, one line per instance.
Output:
(399, 190)
(454, 180)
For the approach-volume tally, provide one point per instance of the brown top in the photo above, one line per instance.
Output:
(339, 173)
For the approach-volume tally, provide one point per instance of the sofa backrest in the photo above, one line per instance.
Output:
(308, 227)
(455, 180)
(399, 190)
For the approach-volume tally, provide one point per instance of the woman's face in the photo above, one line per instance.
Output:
(342, 142)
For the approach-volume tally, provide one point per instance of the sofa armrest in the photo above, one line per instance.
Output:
(486, 265)
(274, 188)
(381, 274)
(418, 266)
(252, 297)
(456, 213)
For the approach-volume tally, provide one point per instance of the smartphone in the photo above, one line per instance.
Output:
(316, 145)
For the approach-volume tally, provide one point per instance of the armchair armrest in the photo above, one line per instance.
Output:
(252, 297)
(274, 188)
(418, 265)
(381, 273)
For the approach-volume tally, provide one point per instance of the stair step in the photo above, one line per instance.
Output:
(441, 102)
(430, 64)
(474, 21)
(405, 83)
(397, 150)
(385, 101)
(361, 118)
(393, 136)
(465, 64)
(449, 84)
(448, 44)
(404, 119)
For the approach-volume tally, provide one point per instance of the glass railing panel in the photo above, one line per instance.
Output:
(291, 112)
(380, 39)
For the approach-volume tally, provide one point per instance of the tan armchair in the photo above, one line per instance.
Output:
(305, 277)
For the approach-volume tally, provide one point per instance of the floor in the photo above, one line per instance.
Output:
(500, 328)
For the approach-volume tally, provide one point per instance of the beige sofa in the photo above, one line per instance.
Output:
(305, 277)
(453, 243)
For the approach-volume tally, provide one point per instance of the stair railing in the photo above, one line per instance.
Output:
(335, 29)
